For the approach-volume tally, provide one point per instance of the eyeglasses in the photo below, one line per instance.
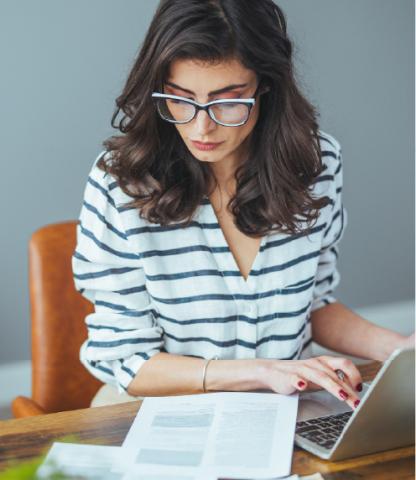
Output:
(232, 112)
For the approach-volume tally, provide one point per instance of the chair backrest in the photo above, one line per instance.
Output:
(59, 380)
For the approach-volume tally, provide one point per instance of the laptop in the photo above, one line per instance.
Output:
(384, 419)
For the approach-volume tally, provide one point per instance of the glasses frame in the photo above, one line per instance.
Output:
(250, 102)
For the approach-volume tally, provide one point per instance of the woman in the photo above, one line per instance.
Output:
(210, 227)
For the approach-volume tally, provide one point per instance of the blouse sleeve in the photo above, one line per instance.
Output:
(122, 331)
(328, 277)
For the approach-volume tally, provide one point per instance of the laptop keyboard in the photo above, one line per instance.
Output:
(323, 430)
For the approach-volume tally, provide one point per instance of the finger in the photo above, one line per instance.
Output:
(344, 384)
(347, 366)
(299, 383)
(321, 377)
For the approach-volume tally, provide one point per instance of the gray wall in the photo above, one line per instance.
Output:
(63, 63)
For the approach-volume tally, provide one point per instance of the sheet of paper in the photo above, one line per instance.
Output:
(225, 434)
(77, 460)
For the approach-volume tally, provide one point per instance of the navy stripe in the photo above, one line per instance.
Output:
(106, 248)
(128, 291)
(334, 217)
(127, 370)
(294, 355)
(96, 365)
(169, 228)
(290, 263)
(81, 257)
(101, 217)
(341, 228)
(122, 341)
(231, 273)
(301, 282)
(307, 343)
(211, 226)
(334, 250)
(328, 278)
(237, 296)
(233, 318)
(291, 238)
(143, 355)
(326, 293)
(338, 168)
(101, 189)
(114, 329)
(278, 338)
(224, 344)
(103, 273)
(326, 139)
(236, 341)
(329, 153)
(323, 178)
(121, 308)
(194, 273)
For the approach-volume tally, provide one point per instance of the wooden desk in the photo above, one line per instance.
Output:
(25, 438)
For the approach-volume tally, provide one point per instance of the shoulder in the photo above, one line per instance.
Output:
(105, 184)
(330, 179)
(328, 142)
(331, 151)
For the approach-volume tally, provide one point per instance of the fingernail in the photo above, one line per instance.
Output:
(359, 387)
(301, 384)
(343, 394)
(356, 403)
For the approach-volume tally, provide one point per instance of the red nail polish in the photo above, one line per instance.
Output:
(359, 387)
(301, 384)
(356, 403)
(343, 394)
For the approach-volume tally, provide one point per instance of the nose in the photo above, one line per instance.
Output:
(204, 123)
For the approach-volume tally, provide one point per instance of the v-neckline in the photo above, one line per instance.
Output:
(229, 262)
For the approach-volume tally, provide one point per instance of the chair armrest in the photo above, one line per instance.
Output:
(26, 407)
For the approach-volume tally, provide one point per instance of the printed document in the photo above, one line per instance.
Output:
(222, 434)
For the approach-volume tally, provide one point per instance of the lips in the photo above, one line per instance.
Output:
(205, 146)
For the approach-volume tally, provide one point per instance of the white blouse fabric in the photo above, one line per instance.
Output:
(179, 290)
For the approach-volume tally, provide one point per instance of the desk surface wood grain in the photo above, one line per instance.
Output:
(28, 437)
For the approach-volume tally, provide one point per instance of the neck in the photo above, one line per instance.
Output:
(224, 171)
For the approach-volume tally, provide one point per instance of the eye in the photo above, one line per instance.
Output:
(228, 106)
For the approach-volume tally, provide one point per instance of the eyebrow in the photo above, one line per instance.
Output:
(210, 94)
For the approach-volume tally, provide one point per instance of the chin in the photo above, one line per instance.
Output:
(209, 157)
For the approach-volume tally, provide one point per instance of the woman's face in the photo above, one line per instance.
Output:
(199, 81)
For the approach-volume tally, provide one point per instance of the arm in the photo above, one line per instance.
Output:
(338, 328)
(122, 331)
(334, 326)
(168, 374)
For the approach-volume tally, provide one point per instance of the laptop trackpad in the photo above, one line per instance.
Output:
(321, 403)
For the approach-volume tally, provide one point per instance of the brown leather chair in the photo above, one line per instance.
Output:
(59, 380)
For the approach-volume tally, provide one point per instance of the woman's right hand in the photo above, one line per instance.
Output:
(288, 376)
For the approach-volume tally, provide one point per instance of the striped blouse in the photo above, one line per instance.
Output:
(179, 290)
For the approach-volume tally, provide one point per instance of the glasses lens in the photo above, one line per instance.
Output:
(175, 110)
(230, 113)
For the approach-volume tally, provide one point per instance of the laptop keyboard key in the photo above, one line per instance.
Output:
(324, 431)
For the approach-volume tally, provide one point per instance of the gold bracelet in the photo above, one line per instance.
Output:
(205, 371)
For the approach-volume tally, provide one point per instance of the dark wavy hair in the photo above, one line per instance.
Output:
(152, 164)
